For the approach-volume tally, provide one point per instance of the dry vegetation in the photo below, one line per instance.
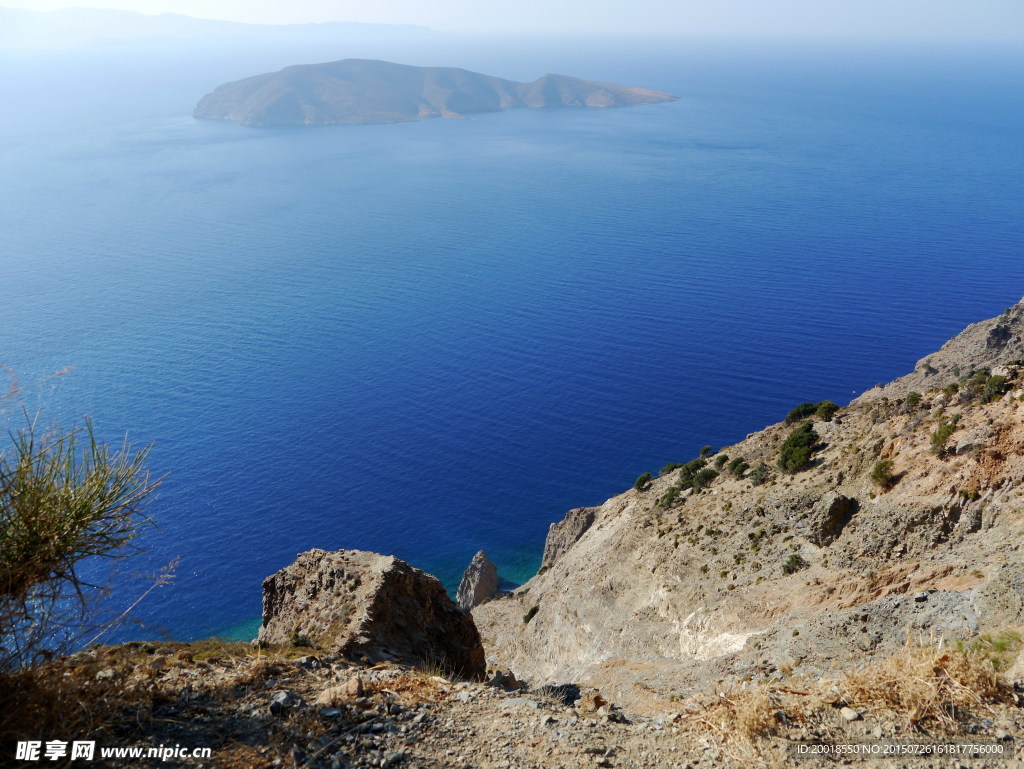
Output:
(926, 688)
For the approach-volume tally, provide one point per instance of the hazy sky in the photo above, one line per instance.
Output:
(915, 18)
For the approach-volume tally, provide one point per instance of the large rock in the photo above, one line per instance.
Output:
(479, 582)
(828, 518)
(566, 533)
(364, 604)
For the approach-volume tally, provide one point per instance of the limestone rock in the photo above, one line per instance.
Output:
(566, 533)
(828, 517)
(479, 582)
(363, 604)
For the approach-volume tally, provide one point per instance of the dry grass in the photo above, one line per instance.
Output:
(741, 721)
(923, 684)
(53, 700)
(929, 683)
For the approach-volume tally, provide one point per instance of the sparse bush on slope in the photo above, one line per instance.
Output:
(64, 498)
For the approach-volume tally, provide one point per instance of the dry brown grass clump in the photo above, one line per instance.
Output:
(929, 683)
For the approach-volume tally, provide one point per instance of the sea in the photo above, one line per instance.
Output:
(431, 338)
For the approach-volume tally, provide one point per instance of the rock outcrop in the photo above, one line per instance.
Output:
(905, 522)
(479, 582)
(566, 533)
(362, 604)
(359, 91)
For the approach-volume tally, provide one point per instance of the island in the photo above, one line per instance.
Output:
(362, 91)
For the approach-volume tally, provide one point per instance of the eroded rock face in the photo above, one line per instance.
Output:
(364, 604)
(828, 518)
(479, 582)
(566, 533)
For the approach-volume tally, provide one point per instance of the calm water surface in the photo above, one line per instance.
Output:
(429, 338)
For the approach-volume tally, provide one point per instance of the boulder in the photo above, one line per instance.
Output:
(479, 582)
(362, 604)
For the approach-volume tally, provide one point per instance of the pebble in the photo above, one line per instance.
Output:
(282, 702)
(519, 702)
(849, 714)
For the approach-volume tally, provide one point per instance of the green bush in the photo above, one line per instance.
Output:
(913, 401)
(720, 460)
(707, 451)
(738, 466)
(669, 497)
(703, 479)
(802, 411)
(941, 436)
(882, 473)
(793, 564)
(669, 468)
(995, 387)
(760, 475)
(823, 409)
(798, 448)
(299, 640)
(530, 614)
(642, 482)
(826, 410)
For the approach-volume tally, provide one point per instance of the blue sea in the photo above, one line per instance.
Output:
(430, 338)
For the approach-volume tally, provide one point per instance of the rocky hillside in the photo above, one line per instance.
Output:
(812, 545)
(848, 575)
(358, 91)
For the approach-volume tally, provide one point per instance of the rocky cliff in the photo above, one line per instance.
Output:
(358, 91)
(903, 518)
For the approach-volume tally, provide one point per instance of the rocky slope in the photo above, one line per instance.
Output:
(358, 91)
(848, 576)
(905, 522)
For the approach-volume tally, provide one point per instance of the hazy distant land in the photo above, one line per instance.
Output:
(361, 91)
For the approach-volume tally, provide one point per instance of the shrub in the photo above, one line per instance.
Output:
(738, 466)
(64, 498)
(299, 640)
(826, 410)
(669, 497)
(720, 460)
(530, 614)
(882, 473)
(802, 411)
(941, 436)
(995, 387)
(793, 564)
(703, 479)
(913, 401)
(760, 475)
(707, 451)
(669, 468)
(642, 482)
(798, 448)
